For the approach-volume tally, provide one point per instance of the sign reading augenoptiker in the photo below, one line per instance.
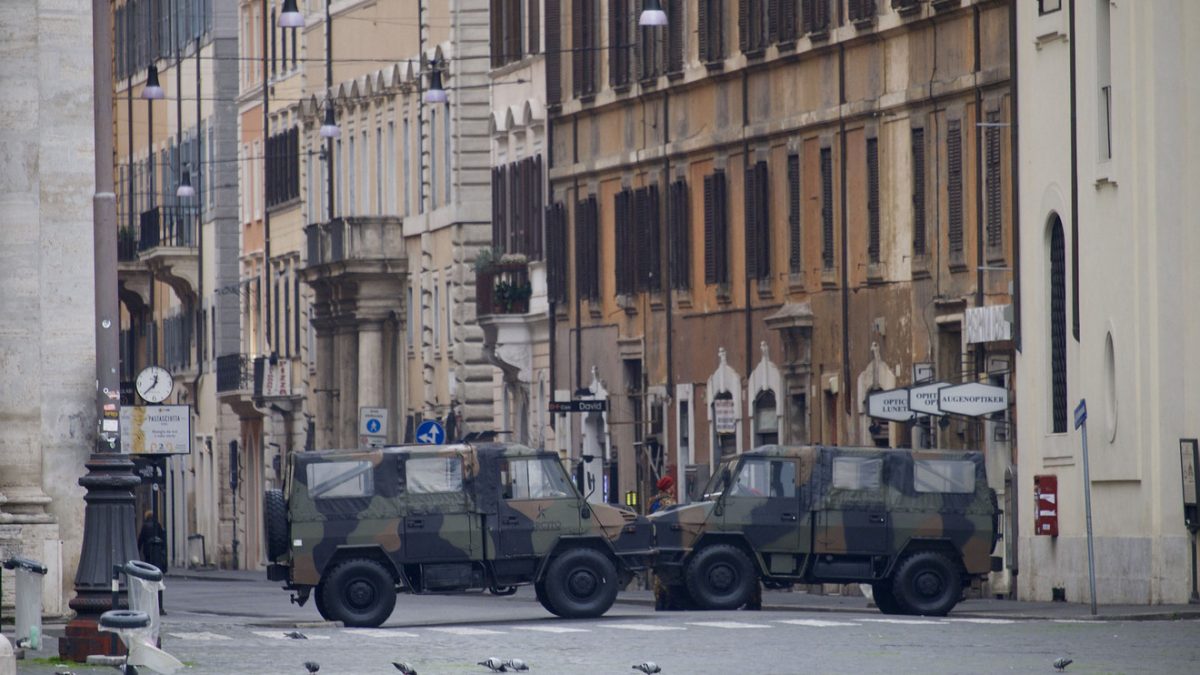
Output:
(156, 429)
(972, 399)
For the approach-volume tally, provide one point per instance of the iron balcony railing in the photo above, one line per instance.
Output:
(173, 226)
(234, 373)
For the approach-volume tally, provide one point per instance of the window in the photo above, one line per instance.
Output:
(994, 196)
(943, 475)
(447, 139)
(650, 49)
(506, 31)
(431, 475)
(710, 30)
(449, 315)
(352, 178)
(815, 20)
(340, 479)
(918, 191)
(1047, 6)
(679, 236)
(1058, 327)
(758, 223)
(534, 479)
(861, 11)
(753, 21)
(437, 319)
(587, 248)
(554, 52)
(794, 241)
(337, 175)
(379, 170)
(390, 203)
(407, 176)
(626, 243)
(716, 244)
(365, 204)
(827, 208)
(433, 171)
(1104, 77)
(500, 233)
(857, 473)
(283, 167)
(619, 42)
(675, 32)
(766, 478)
(584, 46)
(556, 252)
(873, 200)
(648, 259)
(954, 193)
(408, 319)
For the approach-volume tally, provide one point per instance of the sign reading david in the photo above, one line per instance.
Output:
(972, 399)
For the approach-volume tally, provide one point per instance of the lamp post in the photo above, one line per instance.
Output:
(108, 533)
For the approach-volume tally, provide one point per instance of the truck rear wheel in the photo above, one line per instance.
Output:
(885, 599)
(927, 583)
(721, 577)
(358, 592)
(276, 523)
(580, 583)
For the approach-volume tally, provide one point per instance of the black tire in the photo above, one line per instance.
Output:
(580, 583)
(927, 583)
(124, 618)
(275, 521)
(539, 589)
(885, 599)
(359, 592)
(721, 577)
(318, 597)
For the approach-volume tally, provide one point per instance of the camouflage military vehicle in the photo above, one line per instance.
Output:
(353, 528)
(916, 525)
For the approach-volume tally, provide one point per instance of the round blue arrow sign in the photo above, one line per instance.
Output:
(431, 433)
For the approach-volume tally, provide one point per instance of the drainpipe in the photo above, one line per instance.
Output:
(748, 310)
(1015, 186)
(266, 317)
(845, 247)
(1074, 183)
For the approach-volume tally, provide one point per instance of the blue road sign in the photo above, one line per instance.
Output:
(431, 432)
(1081, 413)
(373, 426)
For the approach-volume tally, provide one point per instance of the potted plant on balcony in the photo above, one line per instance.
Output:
(512, 297)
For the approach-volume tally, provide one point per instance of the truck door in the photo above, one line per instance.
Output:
(763, 503)
(852, 517)
(439, 523)
(537, 505)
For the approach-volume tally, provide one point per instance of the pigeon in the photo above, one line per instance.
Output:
(296, 635)
(516, 665)
(494, 664)
(648, 667)
(1062, 663)
(312, 666)
(404, 668)
(63, 672)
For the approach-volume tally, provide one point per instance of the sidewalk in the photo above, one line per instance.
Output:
(1012, 610)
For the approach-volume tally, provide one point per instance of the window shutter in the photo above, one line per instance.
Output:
(751, 226)
(710, 229)
(538, 180)
(918, 195)
(497, 32)
(675, 36)
(794, 244)
(516, 232)
(827, 207)
(721, 208)
(593, 211)
(744, 42)
(873, 200)
(763, 218)
(583, 249)
(535, 25)
(1058, 327)
(615, 19)
(954, 185)
(773, 19)
(994, 202)
(578, 47)
(703, 8)
(554, 52)
(652, 252)
(679, 236)
(626, 263)
(513, 18)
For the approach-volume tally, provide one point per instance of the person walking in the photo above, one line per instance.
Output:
(152, 542)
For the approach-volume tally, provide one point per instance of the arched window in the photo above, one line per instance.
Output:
(1058, 326)
(766, 420)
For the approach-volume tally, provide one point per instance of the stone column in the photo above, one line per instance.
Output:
(370, 363)
(324, 400)
(346, 359)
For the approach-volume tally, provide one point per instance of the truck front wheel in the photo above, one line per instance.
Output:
(927, 583)
(358, 592)
(580, 583)
(721, 577)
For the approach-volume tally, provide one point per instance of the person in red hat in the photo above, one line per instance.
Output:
(665, 496)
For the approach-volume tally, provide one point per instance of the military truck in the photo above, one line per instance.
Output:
(917, 526)
(354, 527)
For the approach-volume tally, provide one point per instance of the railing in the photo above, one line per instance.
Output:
(503, 288)
(363, 238)
(326, 242)
(234, 373)
(127, 244)
(178, 331)
(173, 226)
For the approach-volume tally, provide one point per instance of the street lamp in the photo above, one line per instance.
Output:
(291, 16)
(435, 93)
(185, 188)
(653, 14)
(330, 129)
(153, 91)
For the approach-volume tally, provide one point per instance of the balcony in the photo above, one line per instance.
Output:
(510, 304)
(133, 277)
(365, 245)
(167, 244)
(236, 384)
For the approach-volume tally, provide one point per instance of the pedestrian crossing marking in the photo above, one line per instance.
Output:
(379, 633)
(974, 620)
(281, 635)
(552, 629)
(643, 626)
(906, 622)
(727, 624)
(817, 623)
(201, 635)
(465, 630)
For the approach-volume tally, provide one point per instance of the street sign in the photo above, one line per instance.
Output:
(1081, 413)
(922, 372)
(579, 406)
(724, 416)
(156, 429)
(889, 405)
(923, 400)
(972, 399)
(431, 433)
(372, 427)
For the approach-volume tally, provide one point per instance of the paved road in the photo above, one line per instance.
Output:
(239, 628)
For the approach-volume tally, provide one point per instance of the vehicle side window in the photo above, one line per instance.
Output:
(773, 478)
(340, 479)
(857, 473)
(432, 475)
(542, 478)
(943, 475)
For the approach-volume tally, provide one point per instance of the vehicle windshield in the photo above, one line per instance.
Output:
(715, 485)
(537, 478)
